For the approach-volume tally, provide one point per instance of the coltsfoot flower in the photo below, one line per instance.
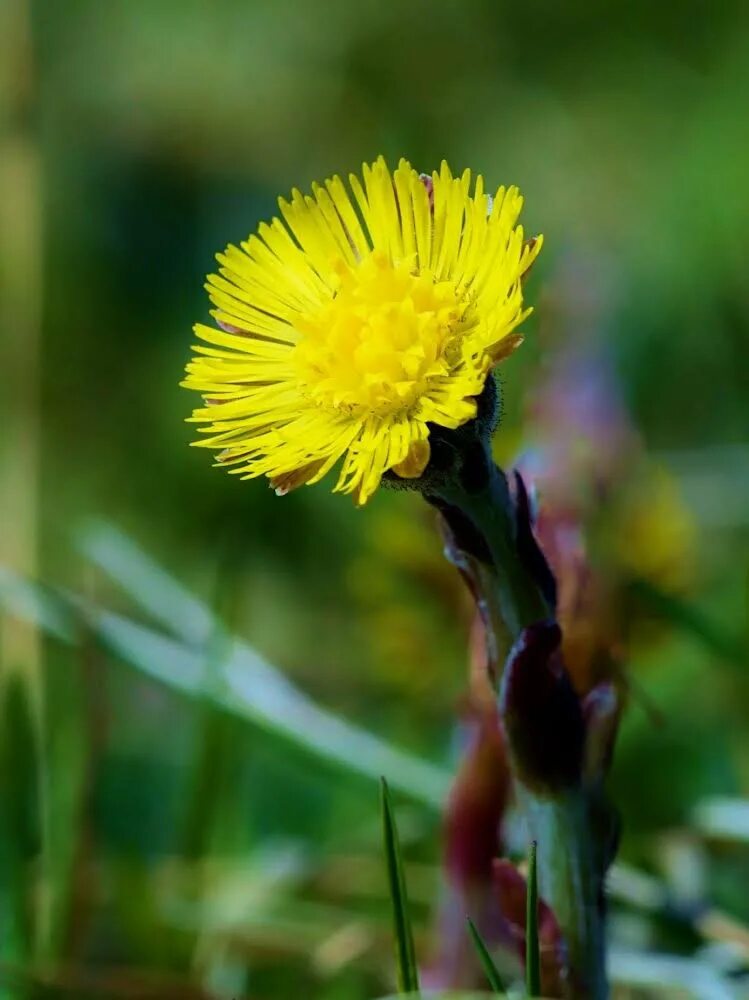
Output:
(354, 324)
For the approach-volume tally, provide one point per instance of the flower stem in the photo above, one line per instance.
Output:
(570, 872)
(492, 512)
(569, 881)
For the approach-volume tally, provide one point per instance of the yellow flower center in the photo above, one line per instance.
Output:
(375, 345)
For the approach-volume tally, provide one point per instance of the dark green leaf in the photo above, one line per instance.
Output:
(532, 949)
(407, 973)
(487, 963)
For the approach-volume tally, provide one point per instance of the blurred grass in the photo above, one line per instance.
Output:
(191, 847)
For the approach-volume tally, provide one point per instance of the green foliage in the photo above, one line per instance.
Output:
(21, 842)
(487, 962)
(189, 823)
(406, 968)
(532, 944)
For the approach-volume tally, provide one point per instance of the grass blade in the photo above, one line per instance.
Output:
(249, 683)
(407, 973)
(532, 949)
(487, 962)
(248, 686)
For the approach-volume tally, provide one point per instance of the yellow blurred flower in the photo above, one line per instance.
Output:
(655, 534)
(642, 532)
(351, 327)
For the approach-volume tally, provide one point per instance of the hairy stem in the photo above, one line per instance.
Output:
(569, 871)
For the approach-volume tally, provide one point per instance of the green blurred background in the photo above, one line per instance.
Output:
(161, 834)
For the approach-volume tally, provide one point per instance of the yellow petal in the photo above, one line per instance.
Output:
(288, 481)
(415, 461)
(506, 346)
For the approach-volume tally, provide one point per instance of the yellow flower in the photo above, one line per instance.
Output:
(349, 329)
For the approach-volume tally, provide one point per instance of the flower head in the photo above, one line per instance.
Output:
(354, 324)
